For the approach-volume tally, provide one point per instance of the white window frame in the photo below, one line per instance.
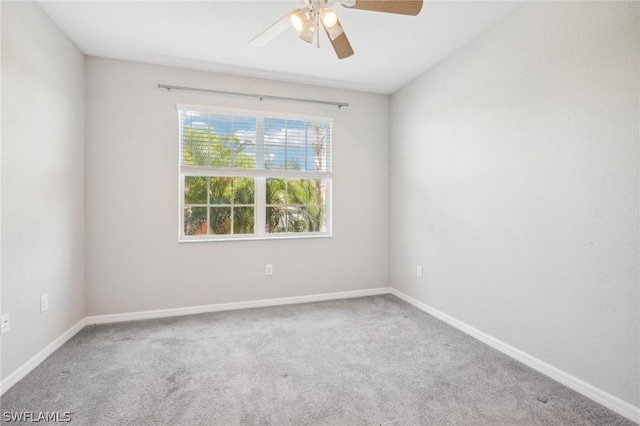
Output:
(260, 177)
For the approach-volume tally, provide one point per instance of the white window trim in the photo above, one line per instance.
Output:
(259, 175)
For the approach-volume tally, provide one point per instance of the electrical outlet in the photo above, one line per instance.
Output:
(4, 323)
(419, 271)
(44, 302)
(268, 270)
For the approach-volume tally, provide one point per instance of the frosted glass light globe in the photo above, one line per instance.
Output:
(330, 19)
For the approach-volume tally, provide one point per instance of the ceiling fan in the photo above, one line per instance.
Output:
(318, 13)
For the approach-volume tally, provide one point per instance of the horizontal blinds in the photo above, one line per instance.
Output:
(234, 142)
(217, 141)
(297, 145)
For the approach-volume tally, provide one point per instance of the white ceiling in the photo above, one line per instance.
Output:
(390, 50)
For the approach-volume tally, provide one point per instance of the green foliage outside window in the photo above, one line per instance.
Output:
(295, 205)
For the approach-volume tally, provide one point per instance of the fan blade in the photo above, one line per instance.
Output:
(340, 43)
(273, 31)
(402, 7)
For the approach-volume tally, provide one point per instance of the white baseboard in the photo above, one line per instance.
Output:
(612, 402)
(163, 313)
(35, 360)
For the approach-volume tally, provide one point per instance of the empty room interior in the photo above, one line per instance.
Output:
(348, 212)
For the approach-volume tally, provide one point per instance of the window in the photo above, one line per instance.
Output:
(250, 175)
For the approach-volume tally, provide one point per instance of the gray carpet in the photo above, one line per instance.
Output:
(367, 361)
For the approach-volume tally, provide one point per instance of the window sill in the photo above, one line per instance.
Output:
(254, 238)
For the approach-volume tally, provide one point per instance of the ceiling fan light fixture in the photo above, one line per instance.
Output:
(298, 19)
(319, 14)
(329, 18)
(308, 31)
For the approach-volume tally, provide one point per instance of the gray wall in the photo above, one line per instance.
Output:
(515, 185)
(42, 181)
(134, 260)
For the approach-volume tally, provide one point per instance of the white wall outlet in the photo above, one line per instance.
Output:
(4, 323)
(419, 271)
(44, 302)
(268, 270)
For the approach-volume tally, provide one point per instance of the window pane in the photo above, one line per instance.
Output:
(218, 140)
(317, 147)
(317, 217)
(296, 144)
(244, 142)
(236, 141)
(297, 191)
(276, 219)
(196, 141)
(297, 219)
(220, 152)
(220, 190)
(220, 218)
(317, 191)
(276, 193)
(195, 190)
(286, 144)
(275, 131)
(195, 221)
(243, 220)
(243, 191)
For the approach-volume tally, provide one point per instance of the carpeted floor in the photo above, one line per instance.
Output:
(367, 361)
